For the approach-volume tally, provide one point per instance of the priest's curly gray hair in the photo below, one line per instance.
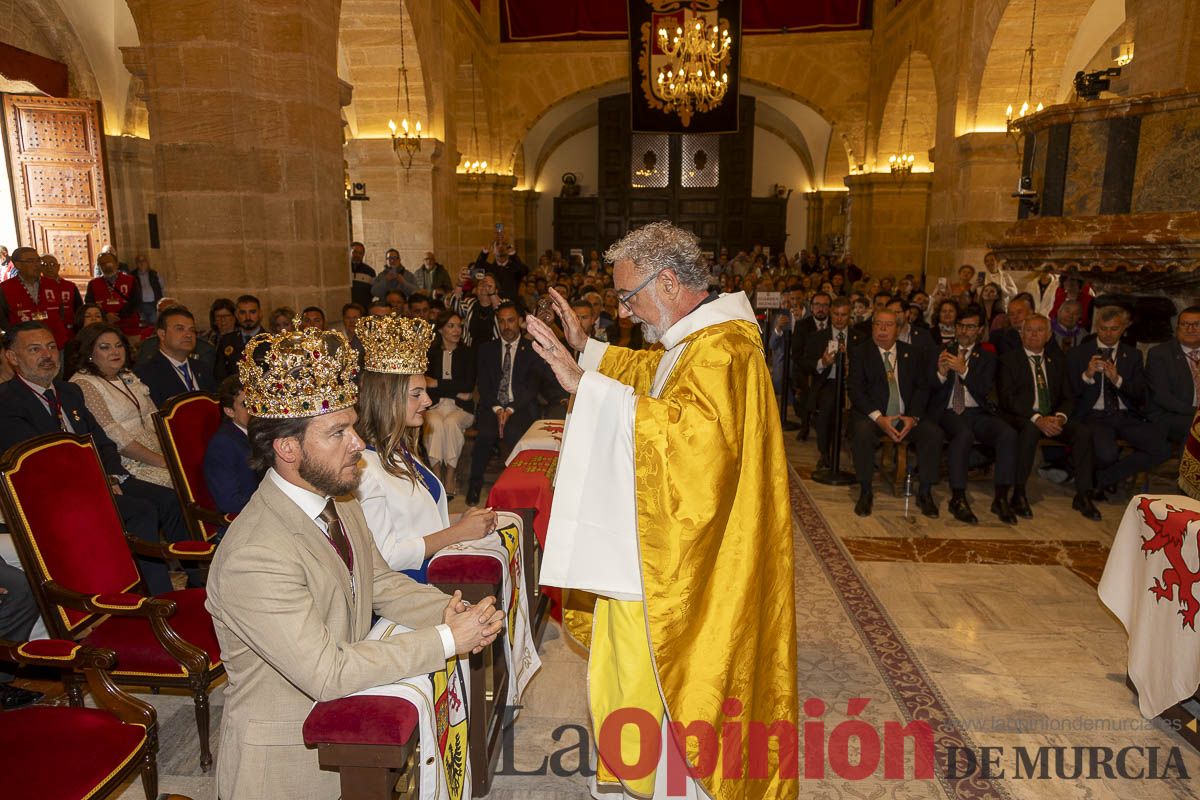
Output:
(661, 245)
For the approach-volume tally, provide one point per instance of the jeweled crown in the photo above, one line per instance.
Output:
(298, 373)
(396, 345)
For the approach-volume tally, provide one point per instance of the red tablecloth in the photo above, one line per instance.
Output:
(526, 483)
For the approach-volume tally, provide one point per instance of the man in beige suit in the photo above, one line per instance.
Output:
(297, 576)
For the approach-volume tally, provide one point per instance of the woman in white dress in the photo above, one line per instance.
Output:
(452, 370)
(120, 402)
(402, 499)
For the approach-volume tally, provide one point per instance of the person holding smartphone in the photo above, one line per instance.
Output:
(505, 266)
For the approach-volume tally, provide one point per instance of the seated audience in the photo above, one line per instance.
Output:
(31, 295)
(312, 317)
(452, 370)
(89, 314)
(1109, 383)
(1009, 338)
(174, 367)
(510, 376)
(943, 327)
(889, 389)
(1066, 327)
(222, 319)
(822, 350)
(378, 308)
(351, 314)
(227, 471)
(919, 338)
(393, 278)
(626, 333)
(281, 319)
(1173, 375)
(120, 402)
(35, 403)
(402, 499)
(960, 402)
(418, 306)
(231, 345)
(1036, 400)
(479, 312)
(117, 293)
(68, 293)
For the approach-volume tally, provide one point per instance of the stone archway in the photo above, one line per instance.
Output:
(1003, 79)
(922, 109)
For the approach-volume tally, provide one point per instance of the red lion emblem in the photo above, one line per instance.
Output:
(1177, 581)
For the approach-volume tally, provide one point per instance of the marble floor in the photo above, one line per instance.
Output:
(991, 634)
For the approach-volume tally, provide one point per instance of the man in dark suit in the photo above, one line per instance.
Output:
(1173, 375)
(34, 403)
(203, 358)
(231, 345)
(1036, 400)
(805, 384)
(888, 392)
(174, 369)
(823, 352)
(1009, 338)
(963, 377)
(509, 376)
(1109, 383)
(227, 472)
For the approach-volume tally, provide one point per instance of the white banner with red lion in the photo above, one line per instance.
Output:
(1150, 584)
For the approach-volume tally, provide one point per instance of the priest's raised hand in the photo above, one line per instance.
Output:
(546, 345)
(572, 328)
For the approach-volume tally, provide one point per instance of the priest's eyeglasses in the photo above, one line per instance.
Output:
(626, 298)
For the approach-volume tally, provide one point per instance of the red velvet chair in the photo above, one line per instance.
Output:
(77, 557)
(57, 753)
(185, 424)
(371, 741)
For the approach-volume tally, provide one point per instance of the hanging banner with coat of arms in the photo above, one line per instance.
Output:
(654, 69)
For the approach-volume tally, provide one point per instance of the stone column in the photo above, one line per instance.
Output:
(482, 202)
(243, 100)
(826, 218)
(400, 211)
(888, 219)
(973, 206)
(525, 216)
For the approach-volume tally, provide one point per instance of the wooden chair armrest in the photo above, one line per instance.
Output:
(57, 653)
(210, 516)
(109, 605)
(186, 550)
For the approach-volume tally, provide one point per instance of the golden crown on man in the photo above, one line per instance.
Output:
(394, 344)
(298, 373)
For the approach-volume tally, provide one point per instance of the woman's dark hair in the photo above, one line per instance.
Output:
(263, 433)
(445, 317)
(87, 345)
(82, 312)
(217, 305)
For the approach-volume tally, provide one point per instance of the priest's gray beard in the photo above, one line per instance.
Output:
(652, 333)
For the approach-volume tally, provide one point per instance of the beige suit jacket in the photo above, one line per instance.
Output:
(291, 630)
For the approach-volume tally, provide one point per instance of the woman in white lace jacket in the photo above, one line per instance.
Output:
(120, 402)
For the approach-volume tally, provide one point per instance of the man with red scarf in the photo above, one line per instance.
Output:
(29, 295)
(117, 294)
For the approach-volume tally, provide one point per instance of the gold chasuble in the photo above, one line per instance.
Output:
(671, 520)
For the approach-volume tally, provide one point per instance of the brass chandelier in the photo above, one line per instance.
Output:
(405, 142)
(696, 76)
(475, 168)
(901, 164)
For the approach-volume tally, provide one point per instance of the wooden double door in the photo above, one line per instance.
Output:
(54, 149)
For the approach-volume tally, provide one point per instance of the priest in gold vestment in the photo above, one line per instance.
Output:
(671, 530)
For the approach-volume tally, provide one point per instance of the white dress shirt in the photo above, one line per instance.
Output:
(312, 504)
